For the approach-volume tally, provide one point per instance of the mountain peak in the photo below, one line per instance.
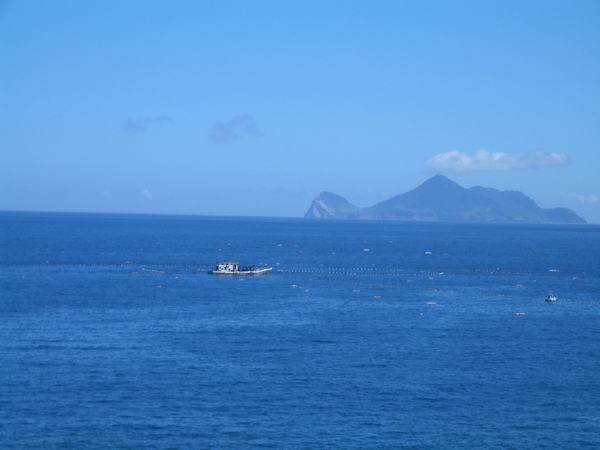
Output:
(438, 177)
(440, 182)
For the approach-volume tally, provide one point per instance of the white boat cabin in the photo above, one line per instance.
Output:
(227, 267)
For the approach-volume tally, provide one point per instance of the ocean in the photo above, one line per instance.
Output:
(365, 335)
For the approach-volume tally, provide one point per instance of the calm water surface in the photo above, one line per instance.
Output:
(366, 335)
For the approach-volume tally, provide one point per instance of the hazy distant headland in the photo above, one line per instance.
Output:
(442, 199)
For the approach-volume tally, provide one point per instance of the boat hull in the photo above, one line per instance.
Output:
(241, 272)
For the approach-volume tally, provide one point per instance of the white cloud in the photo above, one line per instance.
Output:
(584, 198)
(146, 193)
(485, 160)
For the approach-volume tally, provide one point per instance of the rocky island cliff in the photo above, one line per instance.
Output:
(441, 199)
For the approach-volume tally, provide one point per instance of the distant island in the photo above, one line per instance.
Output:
(442, 199)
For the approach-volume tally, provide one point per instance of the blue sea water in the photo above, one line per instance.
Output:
(366, 335)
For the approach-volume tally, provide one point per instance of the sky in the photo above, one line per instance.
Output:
(252, 108)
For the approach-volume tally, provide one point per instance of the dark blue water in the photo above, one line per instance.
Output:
(366, 335)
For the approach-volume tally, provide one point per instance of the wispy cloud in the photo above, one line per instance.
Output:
(137, 126)
(234, 128)
(485, 160)
(146, 193)
(584, 198)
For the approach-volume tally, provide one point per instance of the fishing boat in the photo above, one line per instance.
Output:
(233, 268)
(551, 297)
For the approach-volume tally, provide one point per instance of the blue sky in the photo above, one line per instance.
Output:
(254, 107)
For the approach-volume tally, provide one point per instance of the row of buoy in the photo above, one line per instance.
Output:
(291, 268)
(333, 271)
(403, 268)
(358, 273)
(152, 270)
(124, 265)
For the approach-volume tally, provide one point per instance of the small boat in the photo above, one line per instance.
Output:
(233, 268)
(551, 297)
